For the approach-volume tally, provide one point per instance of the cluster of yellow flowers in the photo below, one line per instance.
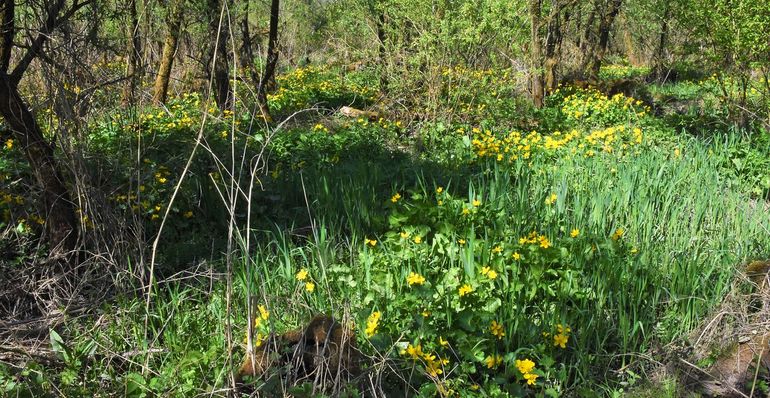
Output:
(586, 103)
(516, 146)
(260, 327)
(434, 364)
(372, 323)
(415, 279)
(302, 276)
(562, 336)
(526, 367)
(497, 330)
(534, 238)
(489, 273)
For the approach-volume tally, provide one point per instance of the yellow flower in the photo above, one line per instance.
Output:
(525, 366)
(461, 241)
(418, 239)
(544, 242)
(415, 352)
(618, 234)
(439, 190)
(9, 144)
(551, 199)
(370, 242)
(560, 340)
(497, 249)
(476, 203)
(301, 275)
(395, 197)
(443, 342)
(489, 273)
(433, 367)
(466, 211)
(497, 330)
(465, 289)
(188, 214)
(574, 233)
(372, 322)
(263, 313)
(415, 279)
(530, 377)
(162, 180)
(404, 234)
(309, 287)
(493, 361)
(516, 256)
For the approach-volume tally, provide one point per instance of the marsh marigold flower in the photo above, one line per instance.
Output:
(530, 377)
(415, 279)
(497, 330)
(464, 289)
(493, 361)
(618, 234)
(309, 287)
(489, 273)
(395, 197)
(560, 340)
(301, 275)
(372, 323)
(525, 366)
(418, 239)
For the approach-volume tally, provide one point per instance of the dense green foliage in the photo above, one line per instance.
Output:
(480, 245)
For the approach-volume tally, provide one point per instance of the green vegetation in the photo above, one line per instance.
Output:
(477, 242)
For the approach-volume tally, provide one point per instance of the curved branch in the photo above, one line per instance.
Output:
(53, 21)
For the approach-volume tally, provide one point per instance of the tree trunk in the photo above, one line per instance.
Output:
(174, 20)
(218, 28)
(272, 61)
(660, 51)
(536, 74)
(600, 47)
(628, 43)
(247, 48)
(133, 70)
(553, 48)
(61, 225)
